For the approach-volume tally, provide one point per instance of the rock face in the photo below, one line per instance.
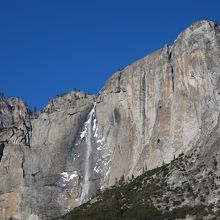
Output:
(146, 114)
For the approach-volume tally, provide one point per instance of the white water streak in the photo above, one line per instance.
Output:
(86, 183)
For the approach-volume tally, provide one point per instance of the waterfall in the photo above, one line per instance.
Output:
(88, 135)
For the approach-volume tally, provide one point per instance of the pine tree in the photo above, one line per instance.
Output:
(122, 180)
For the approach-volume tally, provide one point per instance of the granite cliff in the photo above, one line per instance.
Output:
(163, 105)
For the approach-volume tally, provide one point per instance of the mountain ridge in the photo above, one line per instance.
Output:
(146, 114)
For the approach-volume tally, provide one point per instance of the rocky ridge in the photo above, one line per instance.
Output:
(145, 115)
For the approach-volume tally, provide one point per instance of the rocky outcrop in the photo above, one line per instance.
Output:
(34, 169)
(163, 104)
(144, 116)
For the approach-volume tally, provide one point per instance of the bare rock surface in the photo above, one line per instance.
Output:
(145, 115)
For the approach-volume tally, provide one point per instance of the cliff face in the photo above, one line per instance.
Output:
(146, 114)
(34, 169)
(161, 105)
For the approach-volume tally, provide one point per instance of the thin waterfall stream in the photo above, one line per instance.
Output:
(87, 175)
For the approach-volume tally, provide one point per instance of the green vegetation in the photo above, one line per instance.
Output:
(145, 197)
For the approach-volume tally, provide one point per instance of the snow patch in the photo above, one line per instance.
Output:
(107, 173)
(101, 140)
(97, 169)
(83, 134)
(94, 124)
(67, 178)
(75, 156)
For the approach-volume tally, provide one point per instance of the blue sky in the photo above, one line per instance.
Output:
(48, 47)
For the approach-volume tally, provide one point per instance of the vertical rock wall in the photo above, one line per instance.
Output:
(147, 113)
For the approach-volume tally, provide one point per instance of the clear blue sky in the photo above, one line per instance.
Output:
(48, 47)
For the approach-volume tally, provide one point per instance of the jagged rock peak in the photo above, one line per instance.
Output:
(203, 23)
(67, 100)
(199, 28)
(201, 31)
(12, 111)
